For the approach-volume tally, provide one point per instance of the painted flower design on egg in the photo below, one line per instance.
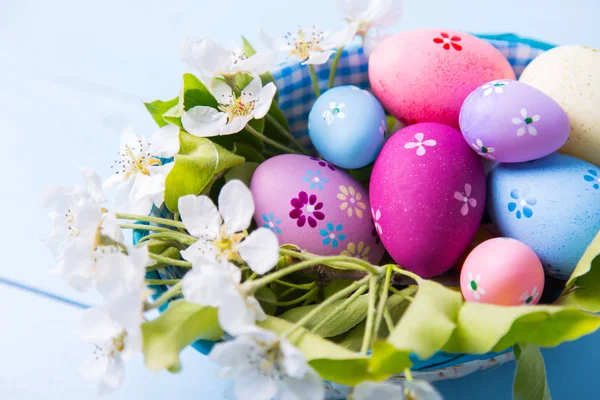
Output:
(448, 41)
(527, 123)
(357, 251)
(494, 87)
(420, 144)
(376, 214)
(466, 200)
(314, 179)
(521, 204)
(483, 150)
(475, 286)
(306, 209)
(335, 110)
(351, 201)
(592, 176)
(529, 298)
(332, 235)
(323, 163)
(271, 223)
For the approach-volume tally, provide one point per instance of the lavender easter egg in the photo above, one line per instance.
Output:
(551, 204)
(310, 203)
(425, 75)
(427, 194)
(347, 126)
(502, 271)
(509, 121)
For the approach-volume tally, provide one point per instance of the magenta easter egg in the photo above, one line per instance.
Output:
(502, 271)
(425, 75)
(427, 196)
(310, 203)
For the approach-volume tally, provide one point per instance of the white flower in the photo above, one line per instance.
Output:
(466, 200)
(118, 273)
(415, 389)
(335, 110)
(526, 122)
(213, 60)
(220, 232)
(219, 285)
(474, 285)
(420, 144)
(494, 87)
(376, 217)
(265, 367)
(532, 298)
(140, 179)
(482, 150)
(233, 113)
(371, 13)
(310, 45)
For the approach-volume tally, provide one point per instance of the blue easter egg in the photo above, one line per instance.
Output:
(347, 126)
(551, 204)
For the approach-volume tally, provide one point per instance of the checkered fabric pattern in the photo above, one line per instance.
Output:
(296, 95)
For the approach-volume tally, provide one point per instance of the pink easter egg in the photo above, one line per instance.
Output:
(427, 195)
(502, 271)
(425, 75)
(314, 205)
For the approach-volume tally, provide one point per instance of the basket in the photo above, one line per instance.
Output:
(296, 97)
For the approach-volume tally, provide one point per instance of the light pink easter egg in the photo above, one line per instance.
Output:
(427, 196)
(425, 75)
(314, 205)
(502, 271)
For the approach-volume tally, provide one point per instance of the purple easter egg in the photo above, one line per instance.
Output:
(427, 196)
(312, 204)
(510, 121)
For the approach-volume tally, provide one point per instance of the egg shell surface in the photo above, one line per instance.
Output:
(427, 195)
(347, 125)
(571, 76)
(425, 75)
(551, 204)
(509, 121)
(310, 203)
(502, 271)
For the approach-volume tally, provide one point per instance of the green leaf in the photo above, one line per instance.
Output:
(248, 152)
(482, 328)
(267, 294)
(242, 172)
(197, 165)
(173, 115)
(388, 360)
(344, 320)
(429, 321)
(335, 286)
(194, 93)
(530, 378)
(247, 47)
(180, 325)
(157, 108)
(174, 236)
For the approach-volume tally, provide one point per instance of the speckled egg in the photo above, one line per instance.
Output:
(551, 204)
(571, 76)
(502, 271)
(425, 75)
(427, 196)
(347, 125)
(312, 204)
(509, 121)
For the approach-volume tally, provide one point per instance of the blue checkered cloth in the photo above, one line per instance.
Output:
(296, 94)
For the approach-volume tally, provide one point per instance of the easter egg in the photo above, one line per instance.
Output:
(502, 271)
(347, 125)
(425, 75)
(571, 76)
(482, 234)
(551, 204)
(310, 203)
(427, 194)
(509, 121)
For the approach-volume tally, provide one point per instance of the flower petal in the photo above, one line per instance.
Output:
(274, 43)
(318, 57)
(252, 91)
(236, 125)
(205, 55)
(93, 183)
(203, 121)
(380, 391)
(341, 38)
(96, 326)
(236, 205)
(260, 250)
(419, 136)
(523, 113)
(94, 366)
(165, 142)
(266, 99)
(259, 63)
(200, 253)
(200, 216)
(516, 121)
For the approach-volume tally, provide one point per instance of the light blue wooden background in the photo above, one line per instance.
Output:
(73, 74)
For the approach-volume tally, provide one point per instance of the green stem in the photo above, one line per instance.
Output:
(300, 299)
(288, 292)
(342, 306)
(167, 261)
(286, 133)
(140, 227)
(389, 321)
(370, 315)
(352, 262)
(314, 79)
(305, 286)
(162, 281)
(408, 374)
(173, 291)
(334, 65)
(156, 220)
(330, 300)
(399, 293)
(383, 298)
(404, 272)
(269, 140)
